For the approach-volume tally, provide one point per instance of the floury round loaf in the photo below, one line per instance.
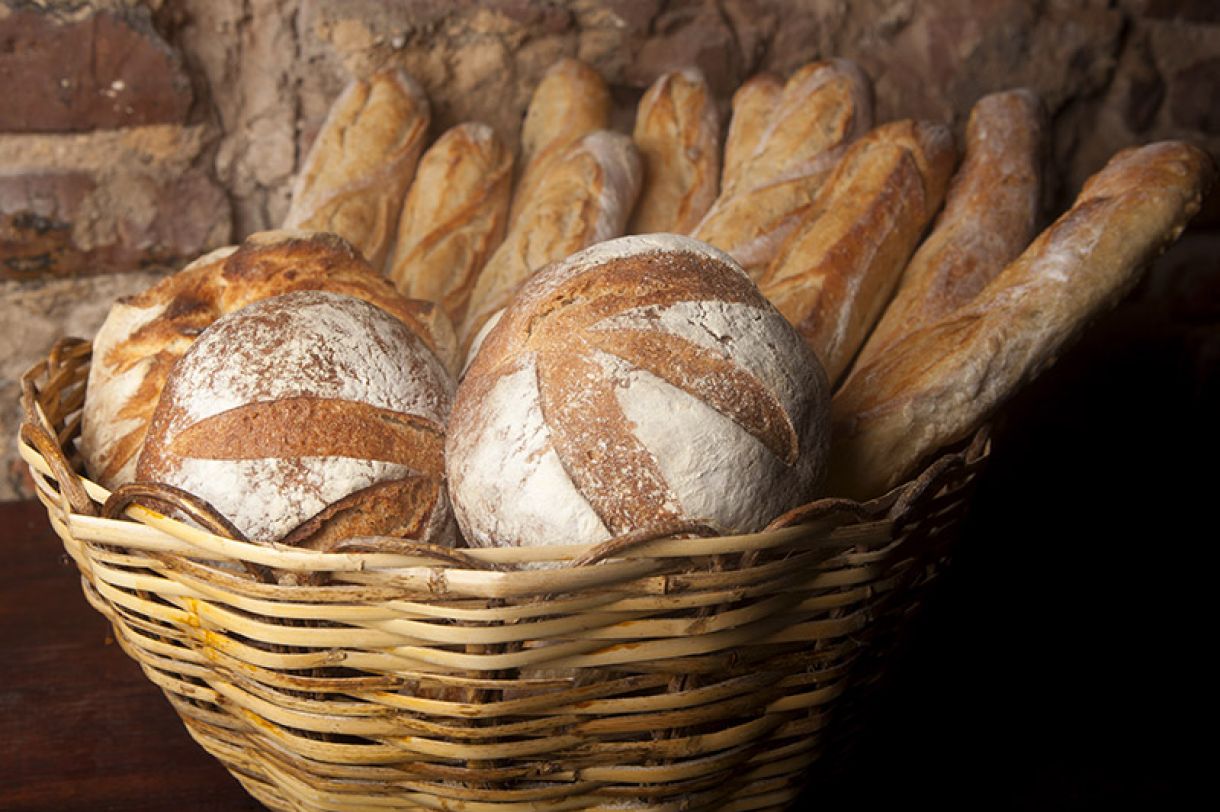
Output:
(145, 335)
(308, 418)
(638, 384)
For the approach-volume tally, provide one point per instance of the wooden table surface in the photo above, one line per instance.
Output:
(80, 726)
(1060, 665)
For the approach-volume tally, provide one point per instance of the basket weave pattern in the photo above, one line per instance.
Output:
(675, 672)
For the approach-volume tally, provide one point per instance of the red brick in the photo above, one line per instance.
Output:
(104, 70)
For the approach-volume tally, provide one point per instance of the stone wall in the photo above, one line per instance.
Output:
(136, 135)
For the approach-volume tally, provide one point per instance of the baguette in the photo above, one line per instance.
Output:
(832, 278)
(805, 129)
(677, 133)
(752, 106)
(570, 102)
(948, 377)
(454, 217)
(990, 216)
(353, 180)
(823, 108)
(585, 197)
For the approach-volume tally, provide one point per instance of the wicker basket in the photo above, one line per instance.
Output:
(676, 672)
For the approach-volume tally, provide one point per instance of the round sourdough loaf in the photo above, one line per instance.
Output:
(144, 335)
(307, 418)
(638, 384)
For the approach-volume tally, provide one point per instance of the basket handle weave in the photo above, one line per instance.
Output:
(936, 476)
(168, 499)
(36, 429)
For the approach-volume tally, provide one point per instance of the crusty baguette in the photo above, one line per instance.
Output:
(677, 132)
(990, 216)
(353, 180)
(823, 108)
(585, 196)
(570, 102)
(833, 277)
(948, 377)
(752, 106)
(453, 218)
(805, 127)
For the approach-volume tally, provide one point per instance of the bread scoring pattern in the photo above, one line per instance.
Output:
(641, 382)
(145, 335)
(294, 403)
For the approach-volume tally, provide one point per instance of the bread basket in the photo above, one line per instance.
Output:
(681, 671)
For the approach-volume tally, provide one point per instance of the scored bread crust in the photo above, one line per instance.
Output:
(834, 275)
(641, 382)
(752, 104)
(353, 180)
(947, 378)
(990, 216)
(823, 108)
(144, 335)
(585, 197)
(571, 101)
(677, 132)
(454, 217)
(301, 403)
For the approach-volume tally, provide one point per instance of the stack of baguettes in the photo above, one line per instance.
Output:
(924, 324)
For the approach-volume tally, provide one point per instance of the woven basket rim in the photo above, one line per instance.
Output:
(118, 517)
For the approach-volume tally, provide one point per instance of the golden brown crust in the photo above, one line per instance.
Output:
(145, 335)
(353, 180)
(377, 510)
(990, 216)
(823, 108)
(570, 102)
(949, 376)
(454, 217)
(753, 104)
(834, 275)
(624, 485)
(677, 133)
(585, 197)
(289, 427)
